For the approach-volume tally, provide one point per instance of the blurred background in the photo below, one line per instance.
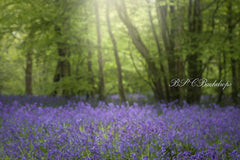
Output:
(119, 48)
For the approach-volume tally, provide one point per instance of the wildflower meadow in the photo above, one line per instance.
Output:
(108, 131)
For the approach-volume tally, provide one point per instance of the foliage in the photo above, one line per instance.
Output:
(30, 26)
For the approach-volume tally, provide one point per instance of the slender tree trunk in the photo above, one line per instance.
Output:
(232, 52)
(101, 84)
(194, 64)
(90, 72)
(159, 52)
(91, 80)
(152, 70)
(220, 90)
(43, 77)
(119, 68)
(28, 74)
(174, 61)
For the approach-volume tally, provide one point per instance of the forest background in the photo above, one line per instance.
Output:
(103, 47)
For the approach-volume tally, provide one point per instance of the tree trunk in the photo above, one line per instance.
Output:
(63, 69)
(119, 69)
(220, 90)
(194, 64)
(232, 52)
(159, 53)
(169, 36)
(153, 72)
(101, 84)
(90, 72)
(63, 66)
(28, 74)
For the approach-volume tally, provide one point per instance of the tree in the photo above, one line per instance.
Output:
(194, 62)
(90, 72)
(119, 68)
(63, 65)
(28, 90)
(65, 40)
(168, 12)
(152, 69)
(230, 28)
(159, 49)
(101, 84)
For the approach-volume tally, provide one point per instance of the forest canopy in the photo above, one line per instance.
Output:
(173, 49)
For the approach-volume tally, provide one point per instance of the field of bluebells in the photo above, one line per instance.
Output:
(56, 128)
